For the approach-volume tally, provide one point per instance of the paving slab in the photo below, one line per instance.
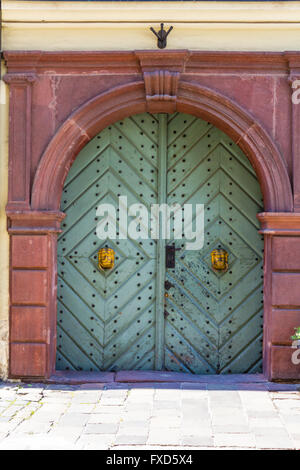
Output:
(245, 440)
(172, 437)
(95, 441)
(33, 427)
(97, 418)
(136, 431)
(259, 422)
(231, 428)
(161, 422)
(4, 419)
(76, 407)
(70, 433)
(291, 404)
(73, 419)
(99, 408)
(125, 439)
(101, 428)
(198, 441)
(266, 442)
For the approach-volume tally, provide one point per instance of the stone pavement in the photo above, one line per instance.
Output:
(214, 412)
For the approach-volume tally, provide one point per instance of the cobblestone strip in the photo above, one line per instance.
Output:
(102, 426)
(150, 415)
(24, 401)
(287, 405)
(229, 418)
(265, 421)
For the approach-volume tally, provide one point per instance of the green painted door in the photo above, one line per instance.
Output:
(204, 322)
(215, 319)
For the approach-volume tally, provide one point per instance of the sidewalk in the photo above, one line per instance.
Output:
(213, 412)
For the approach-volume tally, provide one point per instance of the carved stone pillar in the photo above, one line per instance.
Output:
(19, 139)
(281, 292)
(33, 292)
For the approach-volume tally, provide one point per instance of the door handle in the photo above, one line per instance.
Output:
(219, 260)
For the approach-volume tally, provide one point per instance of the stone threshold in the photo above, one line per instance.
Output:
(76, 377)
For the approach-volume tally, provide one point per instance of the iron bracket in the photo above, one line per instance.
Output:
(161, 36)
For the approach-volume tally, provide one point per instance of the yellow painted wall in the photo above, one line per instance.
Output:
(257, 26)
(37, 25)
(138, 36)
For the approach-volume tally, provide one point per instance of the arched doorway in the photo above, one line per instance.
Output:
(146, 313)
(33, 231)
(158, 82)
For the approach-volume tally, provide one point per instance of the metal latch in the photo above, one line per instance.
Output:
(170, 256)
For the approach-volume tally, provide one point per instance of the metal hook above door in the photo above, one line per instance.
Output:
(161, 36)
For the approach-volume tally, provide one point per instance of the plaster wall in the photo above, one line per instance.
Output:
(244, 26)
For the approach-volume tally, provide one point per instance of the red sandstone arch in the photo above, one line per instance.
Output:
(125, 100)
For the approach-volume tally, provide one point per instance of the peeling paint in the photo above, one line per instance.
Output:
(55, 81)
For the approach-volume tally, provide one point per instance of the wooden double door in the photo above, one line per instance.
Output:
(142, 314)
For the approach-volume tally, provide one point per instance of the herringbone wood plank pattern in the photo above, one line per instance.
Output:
(106, 320)
(213, 320)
